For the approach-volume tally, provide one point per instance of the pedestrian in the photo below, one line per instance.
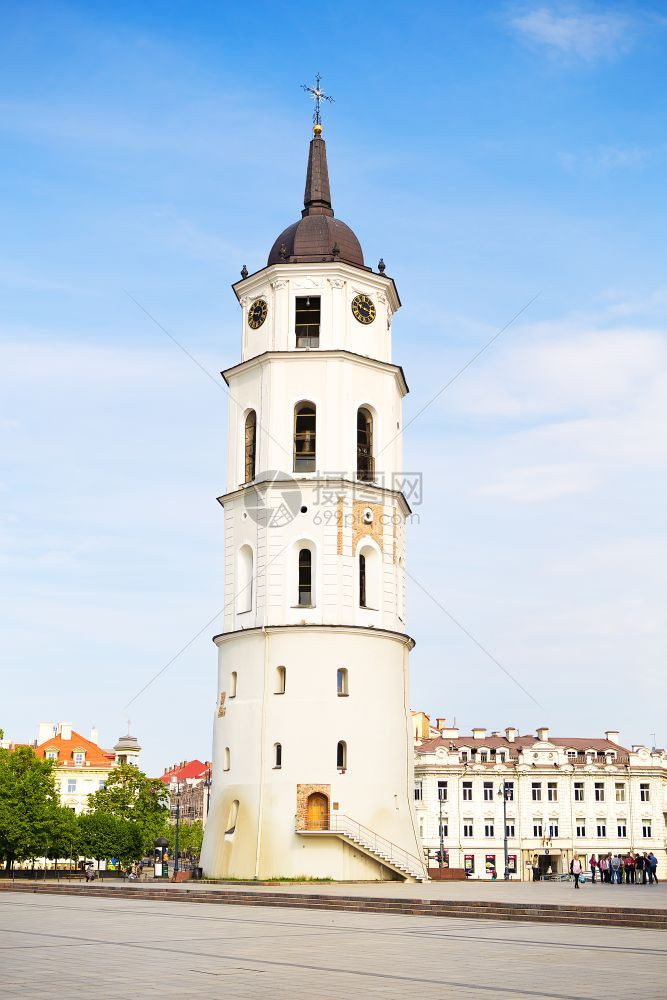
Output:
(602, 865)
(640, 868)
(575, 869)
(593, 865)
(615, 869)
(629, 868)
(653, 868)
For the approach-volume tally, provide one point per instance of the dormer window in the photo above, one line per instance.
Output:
(52, 755)
(307, 321)
(79, 757)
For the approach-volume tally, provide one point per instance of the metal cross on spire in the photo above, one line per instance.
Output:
(318, 96)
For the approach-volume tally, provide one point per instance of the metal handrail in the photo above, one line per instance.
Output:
(340, 823)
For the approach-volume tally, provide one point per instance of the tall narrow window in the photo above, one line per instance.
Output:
(341, 682)
(307, 321)
(304, 437)
(277, 755)
(305, 578)
(281, 680)
(365, 462)
(232, 817)
(226, 759)
(362, 580)
(245, 574)
(341, 755)
(250, 445)
(233, 677)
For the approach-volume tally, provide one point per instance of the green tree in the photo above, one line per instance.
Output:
(28, 805)
(190, 836)
(103, 836)
(131, 796)
(64, 835)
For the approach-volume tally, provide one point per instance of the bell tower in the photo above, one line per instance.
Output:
(312, 748)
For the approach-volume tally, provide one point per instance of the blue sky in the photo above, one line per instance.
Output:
(490, 153)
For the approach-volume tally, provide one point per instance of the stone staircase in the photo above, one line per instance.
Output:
(409, 867)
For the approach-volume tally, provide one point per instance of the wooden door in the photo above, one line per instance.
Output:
(317, 812)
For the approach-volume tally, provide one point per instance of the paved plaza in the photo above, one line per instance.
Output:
(103, 947)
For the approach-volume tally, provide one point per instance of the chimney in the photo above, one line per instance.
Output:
(543, 733)
(612, 735)
(510, 734)
(65, 730)
(478, 733)
(45, 732)
(450, 733)
(440, 723)
(94, 736)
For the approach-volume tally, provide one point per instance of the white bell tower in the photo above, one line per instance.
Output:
(312, 754)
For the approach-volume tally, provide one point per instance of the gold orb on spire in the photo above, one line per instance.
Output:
(317, 129)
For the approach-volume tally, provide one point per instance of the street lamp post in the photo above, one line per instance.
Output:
(441, 855)
(503, 792)
(207, 785)
(178, 817)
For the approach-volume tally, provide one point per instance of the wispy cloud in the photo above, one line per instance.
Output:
(605, 159)
(585, 34)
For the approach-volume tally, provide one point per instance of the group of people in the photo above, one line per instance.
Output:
(629, 868)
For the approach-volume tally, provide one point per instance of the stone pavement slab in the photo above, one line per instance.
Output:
(117, 947)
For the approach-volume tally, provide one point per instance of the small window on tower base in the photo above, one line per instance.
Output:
(307, 321)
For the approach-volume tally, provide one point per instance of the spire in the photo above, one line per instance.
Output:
(317, 197)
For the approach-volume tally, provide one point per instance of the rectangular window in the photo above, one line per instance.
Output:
(488, 828)
(307, 321)
(537, 828)
(464, 756)
(52, 755)
(578, 791)
(581, 828)
(102, 783)
(646, 830)
(443, 829)
(552, 791)
(602, 829)
(622, 829)
(71, 785)
(537, 791)
(79, 759)
(644, 792)
(553, 828)
(509, 791)
(467, 828)
(488, 791)
(509, 829)
(467, 791)
(442, 791)
(484, 757)
(620, 791)
(418, 791)
(599, 791)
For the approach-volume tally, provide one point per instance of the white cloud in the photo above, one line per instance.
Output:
(604, 159)
(586, 34)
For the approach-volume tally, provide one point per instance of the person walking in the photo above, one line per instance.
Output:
(629, 868)
(593, 865)
(653, 868)
(575, 869)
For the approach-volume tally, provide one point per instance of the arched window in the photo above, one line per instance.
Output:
(245, 580)
(365, 460)
(277, 755)
(341, 682)
(341, 755)
(226, 759)
(281, 680)
(304, 437)
(231, 819)
(233, 677)
(305, 578)
(250, 445)
(370, 569)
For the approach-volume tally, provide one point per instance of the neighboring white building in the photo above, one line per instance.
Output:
(314, 645)
(82, 766)
(565, 796)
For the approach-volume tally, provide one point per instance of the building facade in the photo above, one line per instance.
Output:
(189, 785)
(314, 625)
(564, 797)
(82, 766)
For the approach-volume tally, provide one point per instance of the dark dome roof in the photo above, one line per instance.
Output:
(317, 236)
(314, 238)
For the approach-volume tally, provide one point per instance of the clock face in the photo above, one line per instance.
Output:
(363, 309)
(257, 314)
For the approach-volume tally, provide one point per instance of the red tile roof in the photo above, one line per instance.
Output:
(95, 756)
(191, 769)
(581, 744)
